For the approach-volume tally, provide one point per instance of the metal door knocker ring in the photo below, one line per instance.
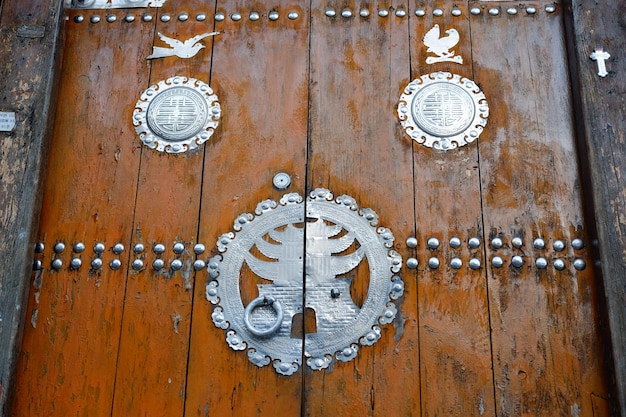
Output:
(263, 302)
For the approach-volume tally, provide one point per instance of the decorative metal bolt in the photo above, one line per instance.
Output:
(578, 244)
(95, 19)
(474, 263)
(293, 15)
(531, 10)
(474, 243)
(37, 265)
(438, 12)
(346, 13)
(236, 17)
(56, 264)
(201, 17)
(179, 248)
(219, 17)
(99, 248)
(118, 248)
(412, 263)
(59, 247)
(496, 243)
(475, 11)
(433, 243)
(111, 18)
(497, 261)
(39, 247)
(411, 242)
(159, 248)
(137, 264)
(254, 16)
(281, 181)
(138, 248)
(517, 242)
(494, 11)
(335, 293)
(183, 17)
(456, 12)
(420, 12)
(79, 247)
(383, 13)
(400, 13)
(176, 264)
(364, 12)
(455, 242)
(79, 18)
(512, 10)
(130, 18)
(539, 243)
(558, 245)
(115, 264)
(559, 264)
(456, 263)
(517, 261)
(550, 8)
(199, 264)
(579, 264)
(199, 248)
(75, 263)
(166, 18)
(541, 263)
(158, 264)
(147, 17)
(433, 263)
(330, 12)
(273, 16)
(96, 263)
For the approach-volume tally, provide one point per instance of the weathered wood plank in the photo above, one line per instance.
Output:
(603, 109)
(27, 88)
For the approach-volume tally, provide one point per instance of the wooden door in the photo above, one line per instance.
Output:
(311, 89)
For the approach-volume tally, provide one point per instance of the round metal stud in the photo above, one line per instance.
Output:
(496, 243)
(497, 261)
(433, 243)
(281, 181)
(494, 11)
(539, 243)
(96, 263)
(159, 248)
(330, 12)
(111, 18)
(517, 261)
(364, 12)
(346, 13)
(219, 17)
(456, 263)
(166, 17)
(293, 15)
(79, 18)
(541, 263)
(475, 11)
(99, 248)
(474, 263)
(57, 264)
(176, 264)
(578, 244)
(129, 18)
(456, 12)
(37, 265)
(118, 248)
(273, 16)
(199, 264)
(579, 264)
(39, 247)
(59, 247)
(433, 263)
(115, 264)
(75, 263)
(559, 264)
(400, 13)
(147, 17)
(254, 16)
(179, 248)
(158, 264)
(455, 243)
(474, 243)
(383, 13)
(411, 242)
(201, 17)
(412, 263)
(531, 10)
(512, 10)
(517, 242)
(79, 247)
(95, 19)
(420, 12)
(438, 12)
(138, 248)
(236, 17)
(137, 264)
(558, 245)
(199, 248)
(550, 8)
(183, 17)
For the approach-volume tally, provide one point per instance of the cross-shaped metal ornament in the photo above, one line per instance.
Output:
(600, 57)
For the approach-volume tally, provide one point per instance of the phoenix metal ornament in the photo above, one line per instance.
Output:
(443, 110)
(176, 115)
(441, 46)
(301, 253)
(181, 49)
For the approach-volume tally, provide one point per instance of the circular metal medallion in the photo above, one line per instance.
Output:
(335, 237)
(176, 115)
(443, 110)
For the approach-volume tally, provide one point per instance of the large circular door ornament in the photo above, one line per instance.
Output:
(176, 115)
(299, 255)
(443, 110)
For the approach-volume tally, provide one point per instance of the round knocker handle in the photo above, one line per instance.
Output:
(261, 302)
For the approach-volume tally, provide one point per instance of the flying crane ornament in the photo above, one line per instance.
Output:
(181, 49)
(441, 46)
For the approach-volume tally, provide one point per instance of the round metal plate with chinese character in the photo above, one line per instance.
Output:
(176, 115)
(299, 255)
(443, 110)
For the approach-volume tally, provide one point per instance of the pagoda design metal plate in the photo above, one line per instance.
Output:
(176, 115)
(443, 110)
(285, 243)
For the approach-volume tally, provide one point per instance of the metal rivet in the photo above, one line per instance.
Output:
(420, 12)
(158, 264)
(580, 264)
(517, 242)
(282, 181)
(496, 243)
(578, 244)
(130, 18)
(474, 243)
(330, 12)
(115, 264)
(166, 18)
(183, 17)
(199, 264)
(475, 11)
(37, 265)
(559, 264)
(201, 17)
(497, 261)
(57, 264)
(147, 17)
(433, 243)
(293, 15)
(400, 13)
(383, 13)
(541, 263)
(517, 261)
(99, 248)
(96, 263)
(411, 242)
(494, 11)
(539, 243)
(95, 19)
(59, 247)
(346, 13)
(433, 263)
(364, 12)
(455, 242)
(412, 263)
(254, 16)
(176, 264)
(456, 263)
(178, 248)
(118, 248)
(75, 263)
(531, 10)
(236, 17)
(512, 10)
(550, 8)
(137, 264)
(273, 15)
(219, 17)
(438, 12)
(474, 263)
(79, 18)
(138, 248)
(111, 18)
(199, 248)
(456, 12)
(558, 245)
(79, 247)
(159, 248)
(39, 247)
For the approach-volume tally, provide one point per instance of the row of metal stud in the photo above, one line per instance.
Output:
(517, 261)
(329, 12)
(497, 243)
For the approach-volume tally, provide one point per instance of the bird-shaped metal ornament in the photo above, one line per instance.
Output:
(185, 49)
(441, 46)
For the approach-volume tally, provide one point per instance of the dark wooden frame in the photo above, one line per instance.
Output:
(30, 40)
